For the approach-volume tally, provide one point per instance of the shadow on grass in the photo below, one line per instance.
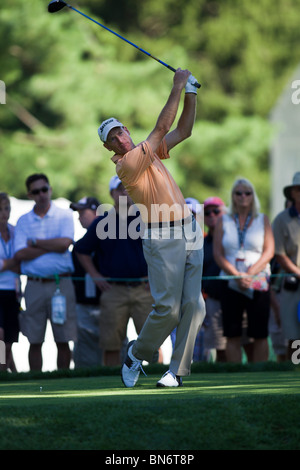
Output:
(227, 410)
(201, 367)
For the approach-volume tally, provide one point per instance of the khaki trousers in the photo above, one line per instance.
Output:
(175, 262)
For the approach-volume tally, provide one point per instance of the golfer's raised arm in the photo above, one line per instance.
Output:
(169, 111)
(185, 123)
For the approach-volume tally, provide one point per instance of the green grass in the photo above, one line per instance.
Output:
(224, 408)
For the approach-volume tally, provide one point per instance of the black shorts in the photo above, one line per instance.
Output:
(233, 306)
(9, 315)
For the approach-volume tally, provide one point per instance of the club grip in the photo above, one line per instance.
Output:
(196, 84)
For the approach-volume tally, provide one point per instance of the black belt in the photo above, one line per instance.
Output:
(127, 284)
(171, 223)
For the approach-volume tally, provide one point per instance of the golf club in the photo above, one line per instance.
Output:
(57, 5)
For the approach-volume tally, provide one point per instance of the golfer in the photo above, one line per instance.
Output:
(172, 241)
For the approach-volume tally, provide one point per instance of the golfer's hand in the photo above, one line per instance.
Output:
(181, 77)
(190, 87)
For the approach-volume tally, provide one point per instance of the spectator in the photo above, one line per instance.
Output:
(286, 228)
(121, 274)
(9, 285)
(196, 209)
(42, 240)
(279, 342)
(214, 208)
(87, 352)
(243, 247)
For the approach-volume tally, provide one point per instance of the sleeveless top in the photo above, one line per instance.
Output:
(253, 241)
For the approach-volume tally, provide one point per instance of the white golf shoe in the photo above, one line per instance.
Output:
(169, 380)
(131, 368)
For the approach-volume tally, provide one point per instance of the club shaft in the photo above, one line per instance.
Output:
(196, 84)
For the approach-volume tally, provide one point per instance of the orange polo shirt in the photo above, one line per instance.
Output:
(149, 183)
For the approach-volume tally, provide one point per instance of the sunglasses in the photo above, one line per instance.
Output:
(240, 193)
(212, 211)
(35, 192)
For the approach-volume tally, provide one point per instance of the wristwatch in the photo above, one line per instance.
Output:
(33, 241)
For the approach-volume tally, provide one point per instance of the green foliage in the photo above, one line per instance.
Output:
(64, 75)
(237, 147)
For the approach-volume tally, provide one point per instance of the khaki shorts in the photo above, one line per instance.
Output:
(38, 310)
(118, 305)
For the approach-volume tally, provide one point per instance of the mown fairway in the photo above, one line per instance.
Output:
(223, 410)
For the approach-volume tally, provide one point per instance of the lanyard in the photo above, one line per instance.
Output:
(242, 233)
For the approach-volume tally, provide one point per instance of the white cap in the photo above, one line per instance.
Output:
(114, 182)
(193, 204)
(106, 126)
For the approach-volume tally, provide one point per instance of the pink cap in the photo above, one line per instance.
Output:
(213, 201)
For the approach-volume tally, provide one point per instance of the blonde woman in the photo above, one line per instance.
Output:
(243, 247)
(9, 304)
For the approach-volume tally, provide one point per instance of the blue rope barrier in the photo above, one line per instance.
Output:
(122, 279)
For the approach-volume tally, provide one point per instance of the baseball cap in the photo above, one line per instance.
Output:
(85, 203)
(213, 201)
(114, 182)
(106, 126)
(193, 204)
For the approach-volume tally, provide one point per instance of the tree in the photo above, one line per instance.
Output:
(64, 75)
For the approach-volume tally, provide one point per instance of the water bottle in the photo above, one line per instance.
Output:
(90, 286)
(58, 307)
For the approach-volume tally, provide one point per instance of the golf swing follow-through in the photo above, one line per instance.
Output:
(173, 257)
(173, 240)
(57, 5)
